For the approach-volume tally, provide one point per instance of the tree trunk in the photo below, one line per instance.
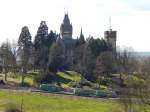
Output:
(99, 85)
(5, 76)
(22, 79)
(99, 82)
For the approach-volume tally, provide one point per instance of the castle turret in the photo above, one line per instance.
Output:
(66, 28)
(110, 37)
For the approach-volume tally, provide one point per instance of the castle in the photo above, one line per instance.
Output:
(66, 41)
(66, 30)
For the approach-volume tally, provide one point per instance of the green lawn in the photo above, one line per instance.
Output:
(36, 102)
(72, 76)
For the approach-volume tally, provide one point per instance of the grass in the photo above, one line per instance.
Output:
(37, 102)
(72, 76)
(68, 76)
(17, 78)
(63, 77)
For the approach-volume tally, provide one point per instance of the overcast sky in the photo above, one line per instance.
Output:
(130, 18)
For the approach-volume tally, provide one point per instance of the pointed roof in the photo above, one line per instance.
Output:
(81, 38)
(81, 32)
(58, 40)
(66, 19)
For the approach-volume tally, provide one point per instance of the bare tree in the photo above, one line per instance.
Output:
(99, 70)
(7, 58)
(127, 62)
(135, 96)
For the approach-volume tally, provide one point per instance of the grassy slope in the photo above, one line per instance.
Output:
(36, 102)
(67, 77)
(64, 78)
(72, 76)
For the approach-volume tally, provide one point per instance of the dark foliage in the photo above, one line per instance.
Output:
(98, 46)
(43, 77)
(40, 48)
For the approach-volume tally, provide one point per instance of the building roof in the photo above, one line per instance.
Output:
(66, 27)
(66, 20)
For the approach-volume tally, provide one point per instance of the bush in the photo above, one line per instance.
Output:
(2, 82)
(12, 108)
(81, 83)
(44, 78)
(25, 84)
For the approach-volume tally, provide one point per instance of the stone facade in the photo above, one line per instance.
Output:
(68, 43)
(66, 28)
(66, 39)
(110, 37)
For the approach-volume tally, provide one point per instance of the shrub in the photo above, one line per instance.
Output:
(25, 84)
(44, 77)
(81, 83)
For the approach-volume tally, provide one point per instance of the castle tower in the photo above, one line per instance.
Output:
(66, 28)
(110, 37)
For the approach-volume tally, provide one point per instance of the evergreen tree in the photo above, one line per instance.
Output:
(84, 61)
(40, 48)
(99, 70)
(109, 62)
(98, 46)
(24, 50)
(55, 58)
(51, 39)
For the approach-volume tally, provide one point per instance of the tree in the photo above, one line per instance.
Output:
(24, 50)
(98, 46)
(56, 61)
(105, 66)
(51, 39)
(84, 61)
(145, 76)
(99, 70)
(14, 51)
(40, 48)
(127, 62)
(135, 95)
(144, 65)
(109, 62)
(8, 58)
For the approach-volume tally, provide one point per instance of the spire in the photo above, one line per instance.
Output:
(81, 38)
(66, 19)
(66, 27)
(65, 10)
(110, 25)
(81, 32)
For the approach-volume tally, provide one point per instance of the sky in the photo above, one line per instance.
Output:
(130, 18)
